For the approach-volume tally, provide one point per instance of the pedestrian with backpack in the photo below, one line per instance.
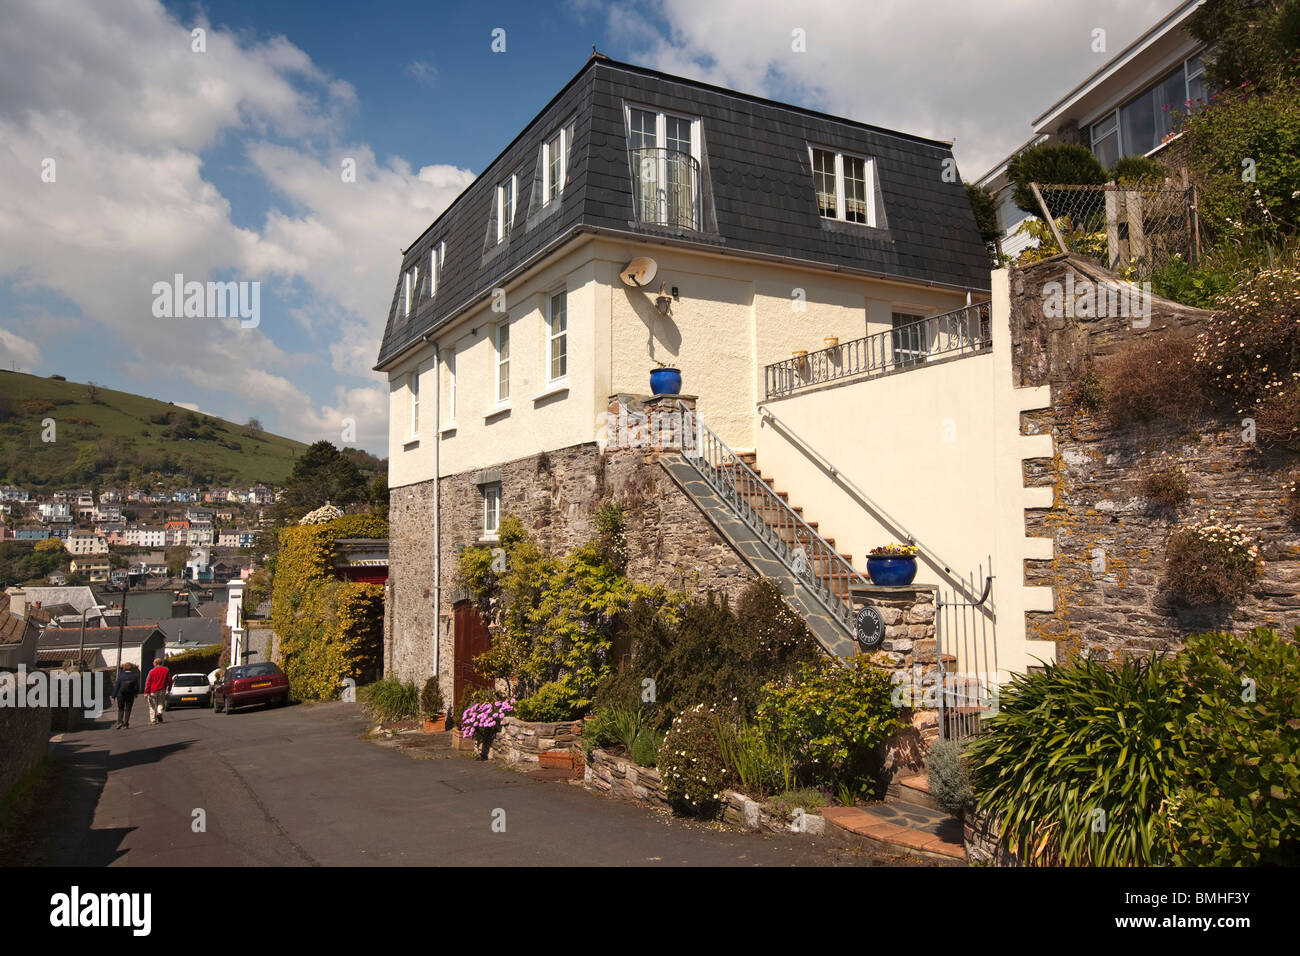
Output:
(124, 691)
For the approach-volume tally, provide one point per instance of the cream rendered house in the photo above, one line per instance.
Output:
(771, 228)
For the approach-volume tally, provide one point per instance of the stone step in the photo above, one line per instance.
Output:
(913, 789)
(912, 833)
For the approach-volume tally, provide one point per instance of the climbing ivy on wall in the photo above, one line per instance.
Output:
(329, 629)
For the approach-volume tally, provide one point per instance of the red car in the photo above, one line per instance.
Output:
(250, 684)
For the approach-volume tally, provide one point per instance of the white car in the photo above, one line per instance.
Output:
(188, 689)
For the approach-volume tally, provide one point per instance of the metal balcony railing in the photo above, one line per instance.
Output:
(804, 552)
(962, 331)
(666, 187)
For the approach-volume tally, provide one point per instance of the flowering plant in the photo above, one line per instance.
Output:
(483, 721)
(895, 551)
(1212, 562)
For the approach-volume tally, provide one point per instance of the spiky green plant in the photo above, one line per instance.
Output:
(1080, 762)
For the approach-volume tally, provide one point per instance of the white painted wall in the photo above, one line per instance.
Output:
(936, 452)
(732, 318)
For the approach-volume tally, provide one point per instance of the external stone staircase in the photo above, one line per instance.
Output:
(909, 820)
(761, 556)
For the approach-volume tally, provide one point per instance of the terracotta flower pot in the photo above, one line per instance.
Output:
(831, 341)
(435, 724)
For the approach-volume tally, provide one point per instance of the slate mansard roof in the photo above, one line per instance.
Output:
(757, 196)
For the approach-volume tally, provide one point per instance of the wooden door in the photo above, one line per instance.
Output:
(471, 638)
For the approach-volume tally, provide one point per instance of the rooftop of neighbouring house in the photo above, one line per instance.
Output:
(755, 194)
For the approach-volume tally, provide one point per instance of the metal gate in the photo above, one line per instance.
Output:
(965, 628)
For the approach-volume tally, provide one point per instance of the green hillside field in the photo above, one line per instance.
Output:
(120, 438)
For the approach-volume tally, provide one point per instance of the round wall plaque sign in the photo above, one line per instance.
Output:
(870, 627)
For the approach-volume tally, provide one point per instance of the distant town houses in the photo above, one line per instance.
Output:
(12, 493)
(55, 512)
(86, 542)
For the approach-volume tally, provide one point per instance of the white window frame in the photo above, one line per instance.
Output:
(413, 387)
(564, 138)
(841, 193)
(510, 183)
(436, 256)
(500, 337)
(907, 356)
(661, 143)
(492, 510)
(411, 290)
(552, 336)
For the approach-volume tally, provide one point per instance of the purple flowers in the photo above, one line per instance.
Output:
(485, 717)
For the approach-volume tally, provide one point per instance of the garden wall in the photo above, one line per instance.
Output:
(1109, 540)
(25, 732)
(520, 741)
(620, 777)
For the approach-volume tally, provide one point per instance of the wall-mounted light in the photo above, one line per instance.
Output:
(662, 302)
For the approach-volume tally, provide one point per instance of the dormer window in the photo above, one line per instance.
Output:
(555, 163)
(410, 290)
(664, 154)
(507, 194)
(845, 186)
(436, 256)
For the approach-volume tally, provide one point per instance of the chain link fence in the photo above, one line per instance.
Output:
(1131, 230)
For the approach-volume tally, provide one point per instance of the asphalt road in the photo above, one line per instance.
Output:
(301, 786)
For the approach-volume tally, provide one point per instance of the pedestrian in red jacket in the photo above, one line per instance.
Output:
(155, 687)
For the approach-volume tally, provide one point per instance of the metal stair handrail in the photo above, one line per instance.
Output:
(966, 587)
(728, 475)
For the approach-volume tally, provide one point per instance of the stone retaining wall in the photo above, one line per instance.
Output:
(24, 739)
(619, 776)
(521, 741)
(1108, 569)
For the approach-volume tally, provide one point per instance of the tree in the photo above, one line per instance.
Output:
(176, 558)
(985, 208)
(1053, 164)
(92, 392)
(320, 474)
(1254, 42)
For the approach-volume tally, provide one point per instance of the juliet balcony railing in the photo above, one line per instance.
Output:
(964, 331)
(666, 187)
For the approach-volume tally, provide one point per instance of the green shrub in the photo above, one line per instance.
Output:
(985, 207)
(1151, 378)
(645, 747)
(389, 699)
(1251, 43)
(949, 781)
(1132, 170)
(832, 720)
(1240, 125)
(691, 765)
(703, 652)
(431, 704)
(1211, 562)
(761, 766)
(1201, 286)
(1080, 760)
(1052, 164)
(1239, 804)
(805, 798)
(551, 702)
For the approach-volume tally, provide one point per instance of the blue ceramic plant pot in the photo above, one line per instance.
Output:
(888, 572)
(665, 381)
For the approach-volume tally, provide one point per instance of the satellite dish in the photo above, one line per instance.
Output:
(639, 272)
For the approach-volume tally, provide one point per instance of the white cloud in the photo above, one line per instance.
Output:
(116, 97)
(16, 350)
(976, 73)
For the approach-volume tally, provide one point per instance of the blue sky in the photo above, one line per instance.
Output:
(224, 164)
